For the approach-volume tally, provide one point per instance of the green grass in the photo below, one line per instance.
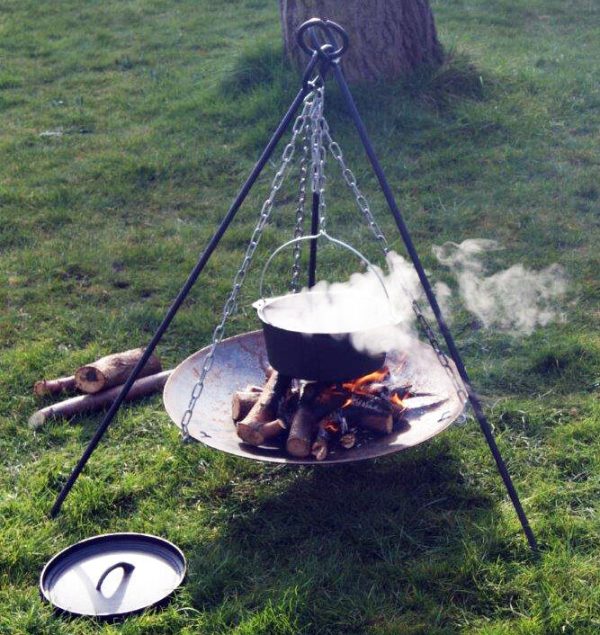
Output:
(127, 128)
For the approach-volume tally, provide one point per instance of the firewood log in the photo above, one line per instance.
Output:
(88, 403)
(54, 386)
(315, 404)
(378, 422)
(261, 432)
(348, 440)
(369, 403)
(320, 448)
(242, 403)
(113, 370)
(299, 441)
(265, 410)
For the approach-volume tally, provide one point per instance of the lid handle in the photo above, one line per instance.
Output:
(127, 570)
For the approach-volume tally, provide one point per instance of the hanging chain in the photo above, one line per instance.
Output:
(318, 152)
(230, 305)
(439, 351)
(361, 201)
(363, 206)
(299, 228)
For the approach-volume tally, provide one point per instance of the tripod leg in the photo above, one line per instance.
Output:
(183, 293)
(473, 399)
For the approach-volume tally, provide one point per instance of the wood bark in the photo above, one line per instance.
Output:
(265, 410)
(242, 403)
(378, 423)
(113, 370)
(54, 386)
(388, 38)
(258, 433)
(89, 403)
(315, 403)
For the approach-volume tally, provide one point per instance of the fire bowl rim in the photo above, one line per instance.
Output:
(246, 355)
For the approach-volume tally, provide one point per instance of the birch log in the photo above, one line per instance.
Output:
(113, 370)
(89, 403)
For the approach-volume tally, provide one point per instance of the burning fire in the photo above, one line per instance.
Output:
(375, 384)
(395, 399)
(319, 417)
(331, 426)
(359, 385)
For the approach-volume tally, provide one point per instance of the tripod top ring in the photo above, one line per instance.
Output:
(327, 47)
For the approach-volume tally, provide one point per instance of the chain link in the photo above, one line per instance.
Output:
(299, 228)
(350, 179)
(318, 153)
(441, 355)
(230, 305)
(364, 208)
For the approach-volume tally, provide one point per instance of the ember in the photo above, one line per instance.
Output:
(315, 418)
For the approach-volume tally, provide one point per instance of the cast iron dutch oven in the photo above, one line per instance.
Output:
(309, 335)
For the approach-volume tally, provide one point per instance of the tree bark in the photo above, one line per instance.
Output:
(388, 38)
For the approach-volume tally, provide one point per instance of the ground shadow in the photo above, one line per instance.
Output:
(395, 529)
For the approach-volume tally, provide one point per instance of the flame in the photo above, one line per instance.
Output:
(395, 399)
(331, 427)
(357, 385)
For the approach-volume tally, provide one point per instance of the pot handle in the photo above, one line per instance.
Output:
(336, 241)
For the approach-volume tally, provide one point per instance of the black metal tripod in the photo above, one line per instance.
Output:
(328, 42)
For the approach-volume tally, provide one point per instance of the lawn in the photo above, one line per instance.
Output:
(127, 129)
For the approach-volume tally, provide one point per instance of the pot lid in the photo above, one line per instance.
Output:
(113, 575)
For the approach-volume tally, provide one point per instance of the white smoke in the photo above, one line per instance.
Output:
(374, 308)
(515, 300)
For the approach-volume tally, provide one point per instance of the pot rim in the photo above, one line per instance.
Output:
(263, 304)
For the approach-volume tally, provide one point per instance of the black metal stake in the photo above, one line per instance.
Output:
(474, 400)
(183, 293)
(314, 228)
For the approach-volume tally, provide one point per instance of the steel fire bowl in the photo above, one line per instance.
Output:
(242, 360)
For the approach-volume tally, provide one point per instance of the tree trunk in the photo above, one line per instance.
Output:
(388, 38)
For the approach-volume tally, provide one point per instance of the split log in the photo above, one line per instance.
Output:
(272, 429)
(89, 403)
(242, 403)
(54, 386)
(113, 370)
(383, 423)
(257, 434)
(320, 448)
(348, 440)
(265, 410)
(299, 441)
(315, 404)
